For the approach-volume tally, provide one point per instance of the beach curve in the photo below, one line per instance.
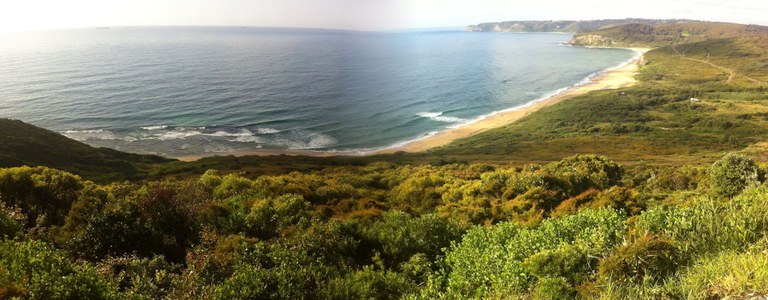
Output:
(612, 78)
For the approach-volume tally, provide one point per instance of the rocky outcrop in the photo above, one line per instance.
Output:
(592, 40)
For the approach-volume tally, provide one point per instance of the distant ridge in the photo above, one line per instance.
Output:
(564, 26)
(651, 36)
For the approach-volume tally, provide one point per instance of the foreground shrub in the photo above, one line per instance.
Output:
(647, 257)
(35, 270)
(490, 260)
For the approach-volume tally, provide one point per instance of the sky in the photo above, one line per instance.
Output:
(22, 15)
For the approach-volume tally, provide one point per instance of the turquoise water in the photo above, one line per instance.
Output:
(191, 91)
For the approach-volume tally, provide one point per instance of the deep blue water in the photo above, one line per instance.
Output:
(188, 91)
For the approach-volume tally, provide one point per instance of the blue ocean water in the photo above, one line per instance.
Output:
(196, 90)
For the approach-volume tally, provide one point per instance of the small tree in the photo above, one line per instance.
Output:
(732, 174)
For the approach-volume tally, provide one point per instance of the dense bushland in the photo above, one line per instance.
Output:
(579, 227)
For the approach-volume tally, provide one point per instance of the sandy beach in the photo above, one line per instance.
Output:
(621, 76)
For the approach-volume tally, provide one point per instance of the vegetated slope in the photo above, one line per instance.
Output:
(25, 144)
(656, 35)
(560, 26)
(654, 121)
(582, 227)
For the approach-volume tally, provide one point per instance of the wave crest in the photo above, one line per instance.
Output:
(438, 116)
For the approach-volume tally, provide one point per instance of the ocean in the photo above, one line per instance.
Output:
(181, 91)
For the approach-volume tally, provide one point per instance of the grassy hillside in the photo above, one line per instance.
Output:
(24, 144)
(657, 35)
(560, 26)
(655, 121)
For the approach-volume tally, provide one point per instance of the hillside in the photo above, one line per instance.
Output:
(25, 144)
(560, 26)
(651, 36)
(655, 121)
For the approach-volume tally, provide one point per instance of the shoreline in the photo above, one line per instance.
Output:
(619, 76)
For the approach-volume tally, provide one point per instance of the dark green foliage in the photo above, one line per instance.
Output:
(24, 144)
(578, 173)
(11, 221)
(732, 174)
(142, 278)
(267, 218)
(401, 236)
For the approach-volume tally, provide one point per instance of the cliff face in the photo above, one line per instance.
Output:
(592, 40)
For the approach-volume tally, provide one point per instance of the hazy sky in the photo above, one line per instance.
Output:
(18, 15)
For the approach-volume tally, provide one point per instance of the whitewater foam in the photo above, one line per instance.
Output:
(438, 116)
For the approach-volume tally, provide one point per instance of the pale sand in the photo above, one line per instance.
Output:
(622, 76)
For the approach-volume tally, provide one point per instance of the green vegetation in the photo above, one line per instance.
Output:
(24, 144)
(636, 193)
(642, 34)
(581, 227)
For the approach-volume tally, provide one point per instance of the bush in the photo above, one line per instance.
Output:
(579, 173)
(401, 236)
(44, 195)
(553, 289)
(149, 278)
(267, 217)
(569, 262)
(490, 260)
(648, 256)
(367, 284)
(35, 270)
(732, 174)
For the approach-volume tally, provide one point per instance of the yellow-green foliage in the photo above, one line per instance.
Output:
(580, 227)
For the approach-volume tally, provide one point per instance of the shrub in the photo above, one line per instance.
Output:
(648, 256)
(571, 263)
(732, 174)
(367, 284)
(149, 278)
(267, 217)
(490, 260)
(401, 236)
(549, 288)
(578, 173)
(41, 193)
(33, 269)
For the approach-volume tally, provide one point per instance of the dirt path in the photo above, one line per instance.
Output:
(731, 72)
